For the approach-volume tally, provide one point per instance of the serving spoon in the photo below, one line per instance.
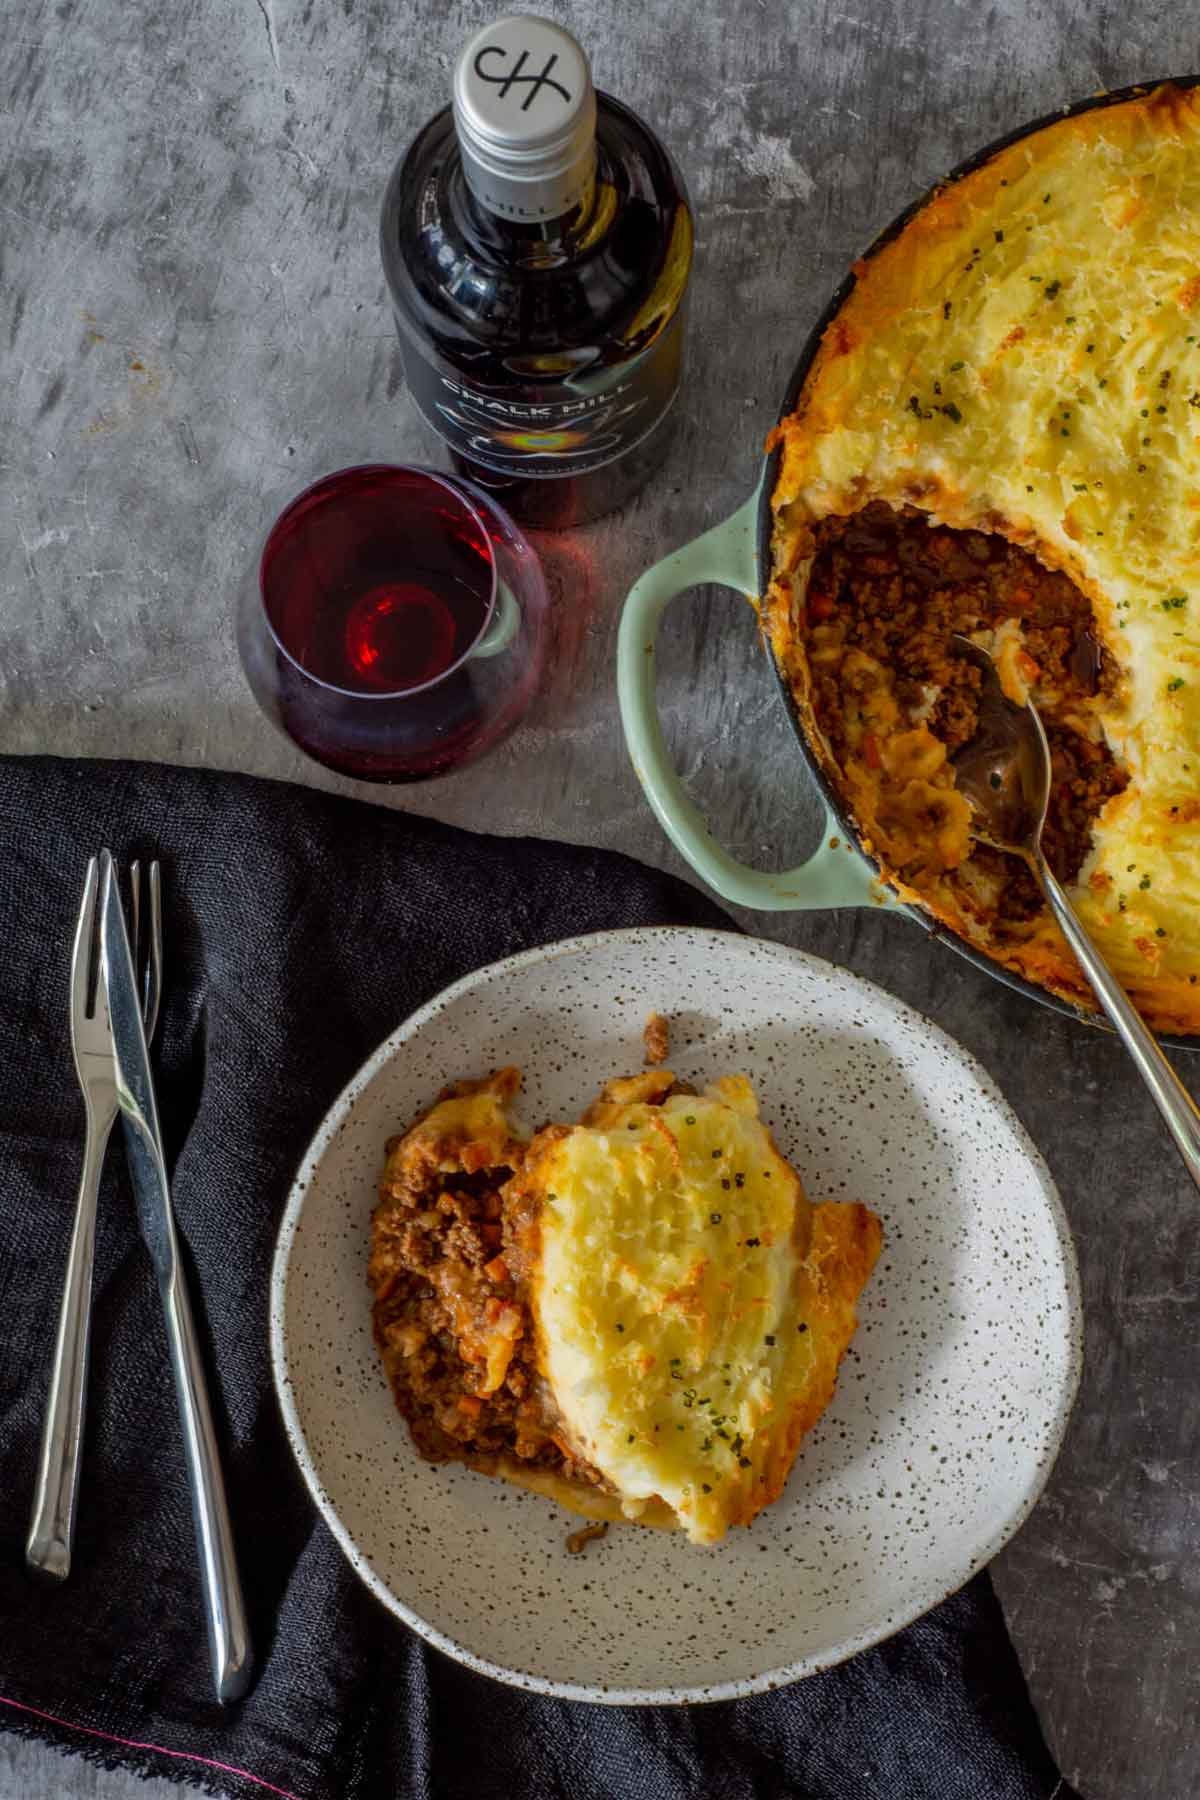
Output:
(1004, 773)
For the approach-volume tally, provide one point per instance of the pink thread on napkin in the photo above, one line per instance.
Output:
(159, 1749)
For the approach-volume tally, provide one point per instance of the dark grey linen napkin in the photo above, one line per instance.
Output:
(300, 930)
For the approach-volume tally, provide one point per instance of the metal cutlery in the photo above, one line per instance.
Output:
(224, 1607)
(1005, 774)
(114, 1009)
(52, 1522)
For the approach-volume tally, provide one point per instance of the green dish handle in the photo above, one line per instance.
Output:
(836, 874)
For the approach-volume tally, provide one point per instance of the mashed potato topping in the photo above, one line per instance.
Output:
(1023, 360)
(639, 1315)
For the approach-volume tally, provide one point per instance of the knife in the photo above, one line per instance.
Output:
(225, 1612)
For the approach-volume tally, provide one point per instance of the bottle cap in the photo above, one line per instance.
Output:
(525, 111)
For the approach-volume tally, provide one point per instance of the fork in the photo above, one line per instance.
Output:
(52, 1522)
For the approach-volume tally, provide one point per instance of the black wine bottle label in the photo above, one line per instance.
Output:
(569, 426)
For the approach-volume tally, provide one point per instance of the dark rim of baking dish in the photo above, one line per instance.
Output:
(1116, 97)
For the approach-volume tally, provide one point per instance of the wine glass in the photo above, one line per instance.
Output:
(395, 622)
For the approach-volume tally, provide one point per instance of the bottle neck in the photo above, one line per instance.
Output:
(530, 242)
(525, 115)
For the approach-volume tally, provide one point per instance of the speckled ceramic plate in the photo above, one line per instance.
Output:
(950, 1407)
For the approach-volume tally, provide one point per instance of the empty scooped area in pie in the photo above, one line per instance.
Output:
(887, 593)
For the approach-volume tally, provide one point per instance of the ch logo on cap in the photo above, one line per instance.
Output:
(514, 77)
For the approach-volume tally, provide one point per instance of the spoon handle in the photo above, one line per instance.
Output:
(1179, 1110)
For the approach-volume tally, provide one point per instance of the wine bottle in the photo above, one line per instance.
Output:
(537, 243)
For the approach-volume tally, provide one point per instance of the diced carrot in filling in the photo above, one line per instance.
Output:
(895, 702)
(450, 1317)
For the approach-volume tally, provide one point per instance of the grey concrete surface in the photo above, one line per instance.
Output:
(194, 319)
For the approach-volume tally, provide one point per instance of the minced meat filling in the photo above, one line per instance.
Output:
(888, 585)
(447, 1301)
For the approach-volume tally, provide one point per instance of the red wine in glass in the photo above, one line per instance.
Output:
(396, 627)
